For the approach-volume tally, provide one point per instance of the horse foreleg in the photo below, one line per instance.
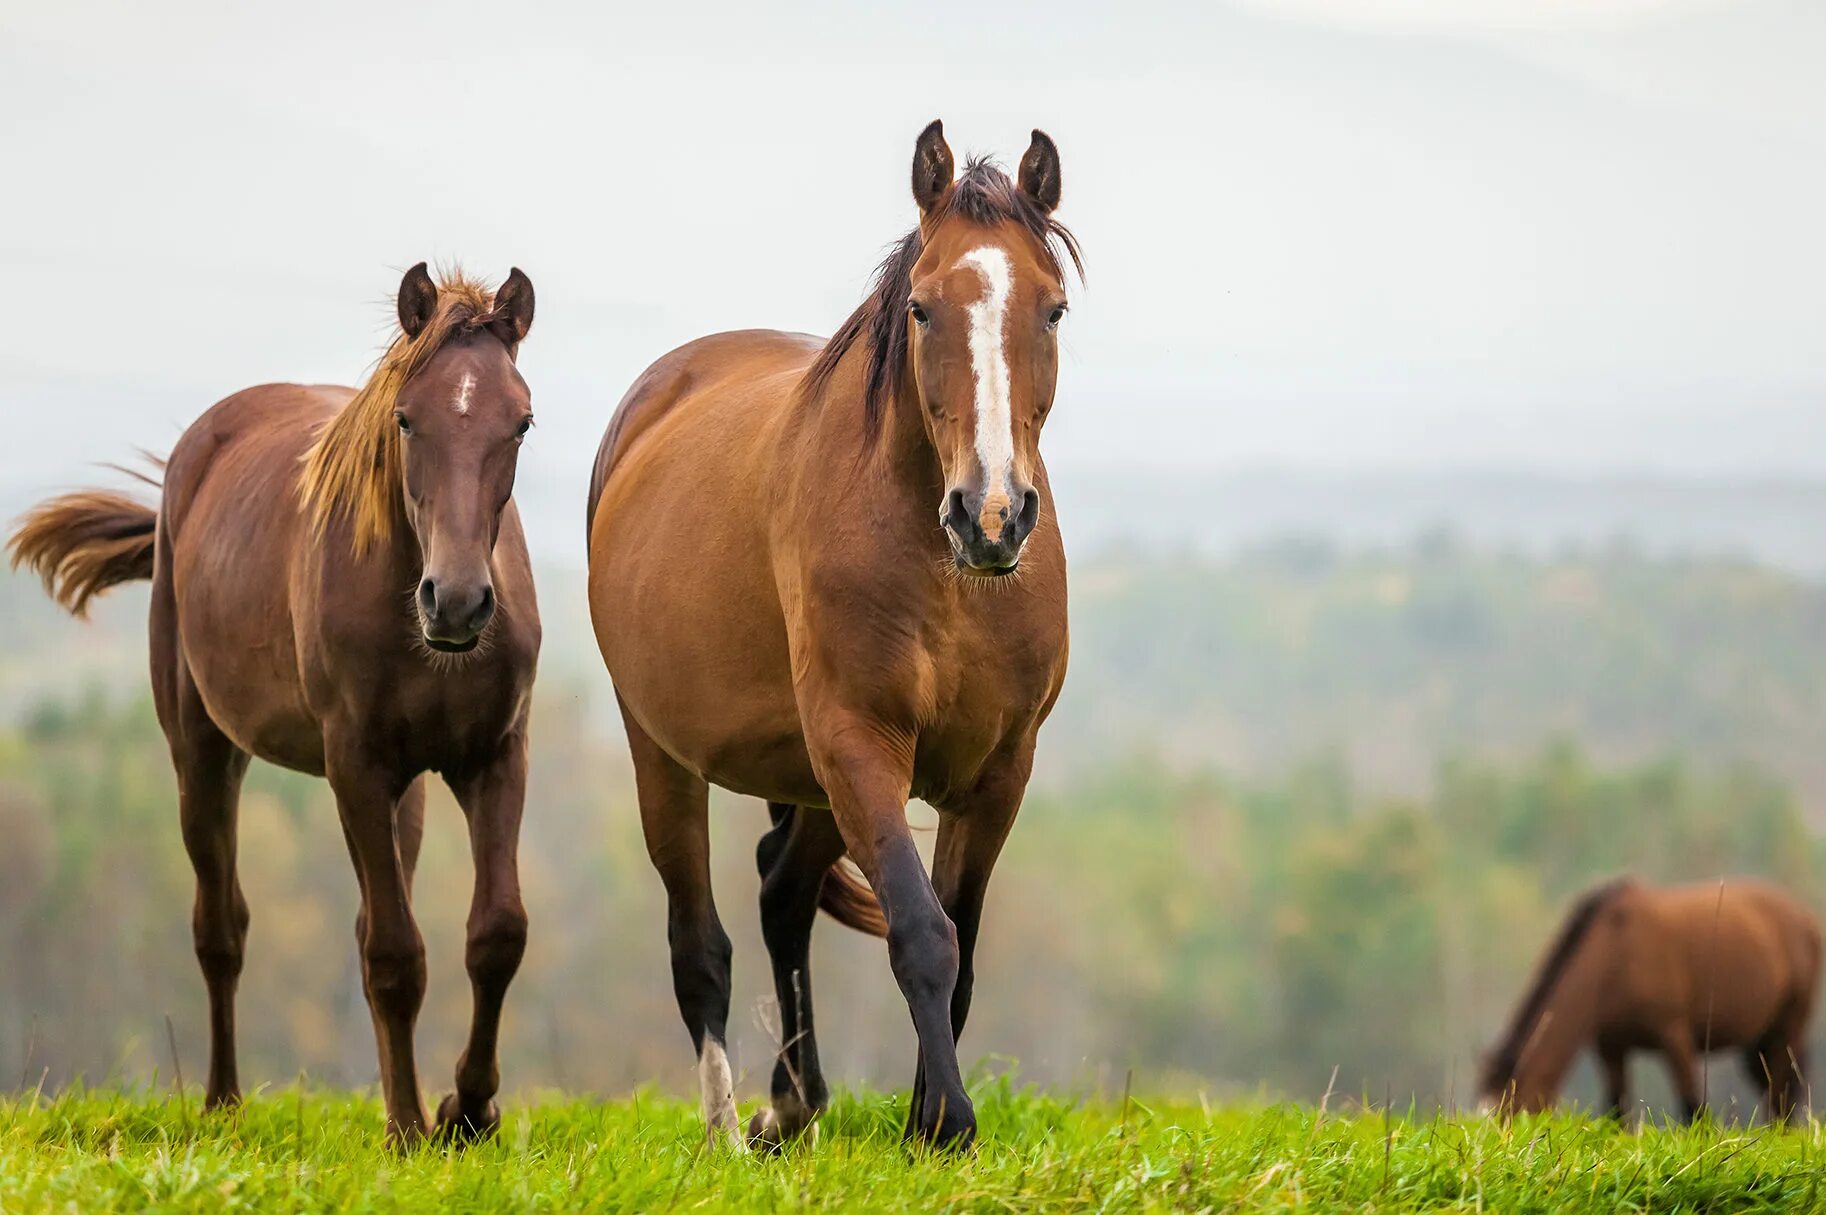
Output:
(392, 951)
(492, 800)
(868, 777)
(1683, 1069)
(971, 832)
(1615, 1061)
(793, 859)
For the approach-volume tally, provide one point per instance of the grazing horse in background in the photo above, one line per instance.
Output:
(1681, 970)
(340, 586)
(825, 573)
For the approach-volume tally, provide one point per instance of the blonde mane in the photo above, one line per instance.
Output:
(353, 470)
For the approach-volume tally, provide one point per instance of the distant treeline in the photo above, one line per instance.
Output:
(1387, 657)
(1206, 934)
(1394, 657)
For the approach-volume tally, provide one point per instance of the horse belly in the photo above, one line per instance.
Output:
(229, 581)
(697, 650)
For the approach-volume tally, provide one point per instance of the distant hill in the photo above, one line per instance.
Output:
(1779, 522)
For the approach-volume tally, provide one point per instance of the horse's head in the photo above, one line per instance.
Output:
(983, 307)
(461, 418)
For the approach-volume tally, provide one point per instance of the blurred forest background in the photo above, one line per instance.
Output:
(1307, 803)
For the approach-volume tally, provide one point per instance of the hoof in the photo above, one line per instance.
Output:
(228, 1102)
(769, 1134)
(404, 1139)
(948, 1134)
(454, 1126)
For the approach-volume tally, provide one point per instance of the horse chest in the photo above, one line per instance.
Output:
(457, 719)
(988, 679)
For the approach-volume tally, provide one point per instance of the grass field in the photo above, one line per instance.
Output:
(307, 1151)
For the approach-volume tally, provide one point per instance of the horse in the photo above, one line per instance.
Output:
(1683, 970)
(826, 574)
(340, 586)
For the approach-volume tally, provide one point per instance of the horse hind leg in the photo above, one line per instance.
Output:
(1779, 1062)
(793, 859)
(1763, 1067)
(675, 819)
(209, 771)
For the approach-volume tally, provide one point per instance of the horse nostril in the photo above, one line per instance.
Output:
(957, 514)
(485, 608)
(1030, 513)
(427, 597)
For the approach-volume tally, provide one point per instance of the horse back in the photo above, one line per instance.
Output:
(1735, 955)
(685, 374)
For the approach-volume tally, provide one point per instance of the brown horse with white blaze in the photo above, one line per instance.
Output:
(1680, 970)
(825, 573)
(340, 586)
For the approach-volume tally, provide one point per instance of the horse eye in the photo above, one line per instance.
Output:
(405, 427)
(918, 313)
(526, 424)
(1058, 314)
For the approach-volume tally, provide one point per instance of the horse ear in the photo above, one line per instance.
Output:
(513, 308)
(1040, 171)
(932, 167)
(417, 300)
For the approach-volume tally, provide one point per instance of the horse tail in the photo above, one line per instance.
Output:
(846, 898)
(1572, 934)
(83, 543)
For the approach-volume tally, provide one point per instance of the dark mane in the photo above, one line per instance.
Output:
(982, 194)
(1503, 1062)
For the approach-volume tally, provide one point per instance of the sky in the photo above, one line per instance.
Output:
(1576, 235)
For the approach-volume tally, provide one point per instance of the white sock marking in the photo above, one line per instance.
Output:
(718, 1088)
(989, 360)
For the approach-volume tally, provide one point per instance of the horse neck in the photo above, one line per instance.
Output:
(390, 568)
(896, 462)
(1546, 1044)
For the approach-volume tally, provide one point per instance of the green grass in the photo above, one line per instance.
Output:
(309, 1151)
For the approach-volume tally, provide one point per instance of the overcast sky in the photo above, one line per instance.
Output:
(1576, 234)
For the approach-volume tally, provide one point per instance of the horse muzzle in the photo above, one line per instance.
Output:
(453, 616)
(986, 534)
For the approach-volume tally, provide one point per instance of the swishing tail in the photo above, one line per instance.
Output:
(844, 896)
(81, 544)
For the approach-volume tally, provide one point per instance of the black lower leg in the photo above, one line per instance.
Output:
(793, 859)
(923, 950)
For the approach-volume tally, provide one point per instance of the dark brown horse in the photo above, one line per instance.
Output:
(826, 574)
(1679, 970)
(340, 586)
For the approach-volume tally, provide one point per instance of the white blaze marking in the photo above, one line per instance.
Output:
(718, 1089)
(989, 359)
(463, 390)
